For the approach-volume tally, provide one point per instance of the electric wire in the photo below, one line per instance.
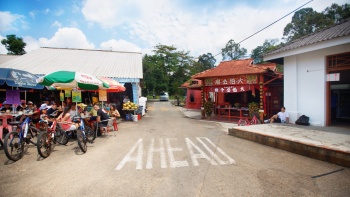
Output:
(269, 25)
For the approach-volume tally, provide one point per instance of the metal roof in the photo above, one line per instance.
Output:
(335, 31)
(5, 58)
(114, 64)
(236, 67)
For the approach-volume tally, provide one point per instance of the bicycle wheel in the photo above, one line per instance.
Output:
(82, 140)
(13, 146)
(252, 122)
(33, 134)
(90, 134)
(61, 136)
(242, 122)
(44, 144)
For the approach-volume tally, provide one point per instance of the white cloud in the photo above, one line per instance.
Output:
(56, 24)
(32, 14)
(201, 29)
(47, 11)
(9, 22)
(59, 12)
(119, 45)
(3, 49)
(32, 44)
(67, 38)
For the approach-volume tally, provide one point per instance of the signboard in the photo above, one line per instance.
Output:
(76, 96)
(231, 89)
(333, 77)
(231, 80)
(102, 94)
(67, 93)
(61, 96)
(13, 97)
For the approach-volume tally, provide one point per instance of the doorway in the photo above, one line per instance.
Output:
(338, 90)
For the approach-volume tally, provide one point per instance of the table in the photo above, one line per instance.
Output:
(229, 111)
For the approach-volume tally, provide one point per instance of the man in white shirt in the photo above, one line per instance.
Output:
(280, 117)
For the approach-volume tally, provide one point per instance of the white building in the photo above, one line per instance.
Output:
(311, 84)
(125, 67)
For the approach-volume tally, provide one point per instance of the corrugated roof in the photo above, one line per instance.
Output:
(335, 31)
(96, 62)
(5, 58)
(235, 67)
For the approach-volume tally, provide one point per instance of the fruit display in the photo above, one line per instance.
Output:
(130, 106)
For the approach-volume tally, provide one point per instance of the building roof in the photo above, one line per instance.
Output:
(335, 31)
(236, 67)
(4, 58)
(112, 64)
(192, 83)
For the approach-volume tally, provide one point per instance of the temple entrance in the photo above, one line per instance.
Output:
(338, 91)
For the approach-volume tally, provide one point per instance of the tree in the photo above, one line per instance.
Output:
(304, 22)
(166, 70)
(336, 13)
(307, 21)
(14, 45)
(207, 61)
(232, 51)
(257, 53)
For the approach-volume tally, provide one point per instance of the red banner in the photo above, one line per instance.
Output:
(231, 89)
(231, 80)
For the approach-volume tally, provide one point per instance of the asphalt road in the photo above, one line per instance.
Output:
(166, 154)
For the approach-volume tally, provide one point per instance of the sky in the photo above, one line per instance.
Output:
(197, 26)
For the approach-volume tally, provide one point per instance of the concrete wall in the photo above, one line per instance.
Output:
(305, 84)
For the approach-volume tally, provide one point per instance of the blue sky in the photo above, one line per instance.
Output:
(198, 26)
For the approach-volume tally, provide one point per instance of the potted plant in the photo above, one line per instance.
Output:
(208, 108)
(237, 105)
(253, 108)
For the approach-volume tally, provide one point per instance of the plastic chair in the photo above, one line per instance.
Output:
(111, 126)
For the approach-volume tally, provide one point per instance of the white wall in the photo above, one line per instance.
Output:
(305, 84)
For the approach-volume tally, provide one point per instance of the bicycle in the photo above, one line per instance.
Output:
(23, 134)
(51, 134)
(245, 122)
(84, 134)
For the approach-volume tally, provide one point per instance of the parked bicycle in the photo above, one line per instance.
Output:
(84, 134)
(23, 133)
(245, 122)
(52, 134)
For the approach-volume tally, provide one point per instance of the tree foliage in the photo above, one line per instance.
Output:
(233, 51)
(169, 68)
(306, 21)
(14, 45)
(268, 45)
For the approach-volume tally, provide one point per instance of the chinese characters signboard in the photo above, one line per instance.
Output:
(231, 80)
(231, 89)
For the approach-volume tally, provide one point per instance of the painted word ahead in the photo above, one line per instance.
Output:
(168, 149)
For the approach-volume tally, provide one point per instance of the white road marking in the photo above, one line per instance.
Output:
(151, 151)
(192, 147)
(128, 158)
(173, 162)
(201, 154)
(230, 160)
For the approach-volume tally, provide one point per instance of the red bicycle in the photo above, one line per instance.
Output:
(245, 122)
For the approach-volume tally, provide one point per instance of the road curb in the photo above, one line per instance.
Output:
(323, 153)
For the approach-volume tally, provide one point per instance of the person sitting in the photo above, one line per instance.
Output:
(66, 120)
(51, 110)
(93, 116)
(22, 106)
(101, 117)
(280, 117)
(6, 107)
(113, 112)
